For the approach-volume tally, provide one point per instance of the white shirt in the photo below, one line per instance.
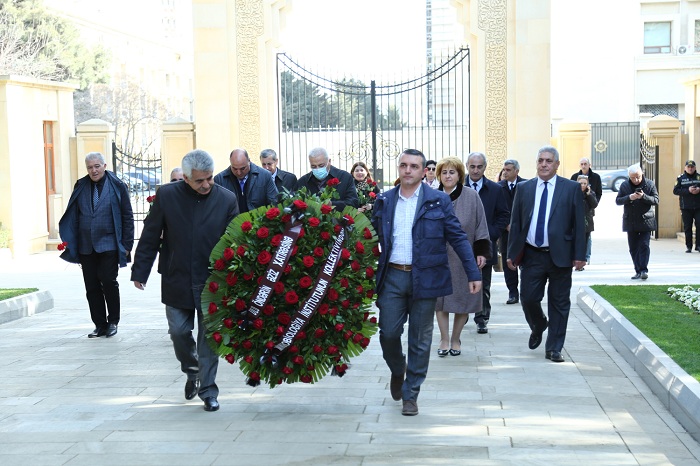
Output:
(402, 233)
(533, 223)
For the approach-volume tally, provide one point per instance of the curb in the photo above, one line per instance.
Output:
(674, 387)
(25, 305)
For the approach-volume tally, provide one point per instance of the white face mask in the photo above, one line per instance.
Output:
(320, 173)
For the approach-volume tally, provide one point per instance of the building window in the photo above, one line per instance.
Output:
(657, 37)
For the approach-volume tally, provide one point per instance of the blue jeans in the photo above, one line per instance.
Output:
(396, 306)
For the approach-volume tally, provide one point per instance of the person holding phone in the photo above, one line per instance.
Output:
(638, 196)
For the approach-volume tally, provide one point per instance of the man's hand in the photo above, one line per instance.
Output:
(510, 264)
(578, 265)
(139, 285)
(694, 190)
(480, 261)
(636, 195)
(474, 287)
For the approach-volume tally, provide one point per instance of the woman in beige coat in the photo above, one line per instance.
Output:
(470, 212)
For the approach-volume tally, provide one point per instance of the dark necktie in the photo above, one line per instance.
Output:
(512, 186)
(539, 231)
(474, 186)
(95, 197)
(242, 204)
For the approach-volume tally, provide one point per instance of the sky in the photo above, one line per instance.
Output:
(358, 37)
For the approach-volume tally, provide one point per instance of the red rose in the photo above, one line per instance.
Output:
(318, 252)
(293, 349)
(302, 233)
(284, 318)
(310, 368)
(339, 327)
(258, 324)
(314, 222)
(212, 308)
(369, 272)
(213, 287)
(279, 330)
(299, 204)
(278, 287)
(340, 369)
(240, 250)
(356, 305)
(344, 283)
(294, 252)
(355, 266)
(246, 226)
(248, 276)
(260, 279)
(268, 310)
(349, 219)
(359, 289)
(365, 316)
(332, 349)
(62, 246)
(287, 370)
(367, 233)
(333, 182)
(325, 236)
(286, 218)
(308, 261)
(336, 229)
(240, 305)
(150, 199)
(319, 333)
(317, 349)
(333, 311)
(376, 251)
(373, 320)
(326, 208)
(301, 335)
(217, 337)
(298, 360)
(264, 257)
(370, 294)
(228, 254)
(344, 254)
(306, 378)
(345, 303)
(348, 334)
(224, 300)
(219, 264)
(357, 338)
(276, 240)
(291, 297)
(272, 213)
(248, 359)
(305, 281)
(230, 358)
(254, 376)
(270, 344)
(332, 294)
(247, 344)
(364, 342)
(323, 309)
(231, 279)
(263, 232)
(359, 247)
(228, 322)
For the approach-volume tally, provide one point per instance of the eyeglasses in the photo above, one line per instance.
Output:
(431, 169)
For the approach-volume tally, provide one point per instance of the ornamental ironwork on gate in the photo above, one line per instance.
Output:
(649, 161)
(142, 173)
(356, 120)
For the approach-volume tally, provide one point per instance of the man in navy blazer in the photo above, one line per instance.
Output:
(414, 223)
(497, 216)
(510, 179)
(284, 181)
(252, 185)
(547, 237)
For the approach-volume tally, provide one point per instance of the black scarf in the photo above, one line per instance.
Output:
(455, 193)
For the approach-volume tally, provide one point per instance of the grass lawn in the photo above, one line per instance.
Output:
(7, 293)
(673, 326)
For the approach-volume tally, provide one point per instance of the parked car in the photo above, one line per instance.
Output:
(134, 184)
(149, 178)
(614, 179)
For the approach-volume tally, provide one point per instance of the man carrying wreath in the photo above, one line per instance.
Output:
(414, 223)
(191, 217)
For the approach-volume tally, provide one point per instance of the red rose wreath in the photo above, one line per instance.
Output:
(291, 290)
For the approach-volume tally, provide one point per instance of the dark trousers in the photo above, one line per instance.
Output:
(688, 216)
(100, 271)
(638, 242)
(536, 270)
(511, 276)
(484, 315)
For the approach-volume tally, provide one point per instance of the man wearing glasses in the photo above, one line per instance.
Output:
(322, 171)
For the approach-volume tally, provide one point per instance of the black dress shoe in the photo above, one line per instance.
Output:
(98, 332)
(210, 404)
(636, 276)
(513, 300)
(554, 356)
(395, 386)
(643, 275)
(536, 337)
(111, 330)
(689, 250)
(697, 248)
(191, 388)
(481, 328)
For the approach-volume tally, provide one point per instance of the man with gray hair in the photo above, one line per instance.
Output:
(638, 196)
(190, 217)
(510, 179)
(285, 181)
(322, 171)
(98, 227)
(596, 186)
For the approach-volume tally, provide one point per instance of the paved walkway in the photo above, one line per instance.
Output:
(69, 400)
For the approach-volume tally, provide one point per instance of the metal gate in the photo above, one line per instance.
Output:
(614, 145)
(373, 122)
(648, 160)
(142, 173)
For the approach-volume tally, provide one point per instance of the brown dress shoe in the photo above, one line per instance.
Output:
(410, 408)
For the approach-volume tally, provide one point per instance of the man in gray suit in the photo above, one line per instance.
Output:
(547, 238)
(252, 185)
(285, 181)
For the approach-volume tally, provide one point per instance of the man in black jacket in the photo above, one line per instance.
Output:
(687, 189)
(252, 185)
(510, 179)
(191, 217)
(596, 186)
(322, 171)
(285, 181)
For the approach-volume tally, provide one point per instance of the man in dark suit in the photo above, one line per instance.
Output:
(510, 179)
(98, 227)
(497, 216)
(547, 237)
(252, 185)
(596, 185)
(322, 171)
(284, 181)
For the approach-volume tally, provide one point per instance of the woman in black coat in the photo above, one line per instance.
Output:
(590, 202)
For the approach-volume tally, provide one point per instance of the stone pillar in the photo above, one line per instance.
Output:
(573, 143)
(178, 140)
(93, 135)
(666, 131)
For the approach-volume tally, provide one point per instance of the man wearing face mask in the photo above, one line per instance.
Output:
(322, 171)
